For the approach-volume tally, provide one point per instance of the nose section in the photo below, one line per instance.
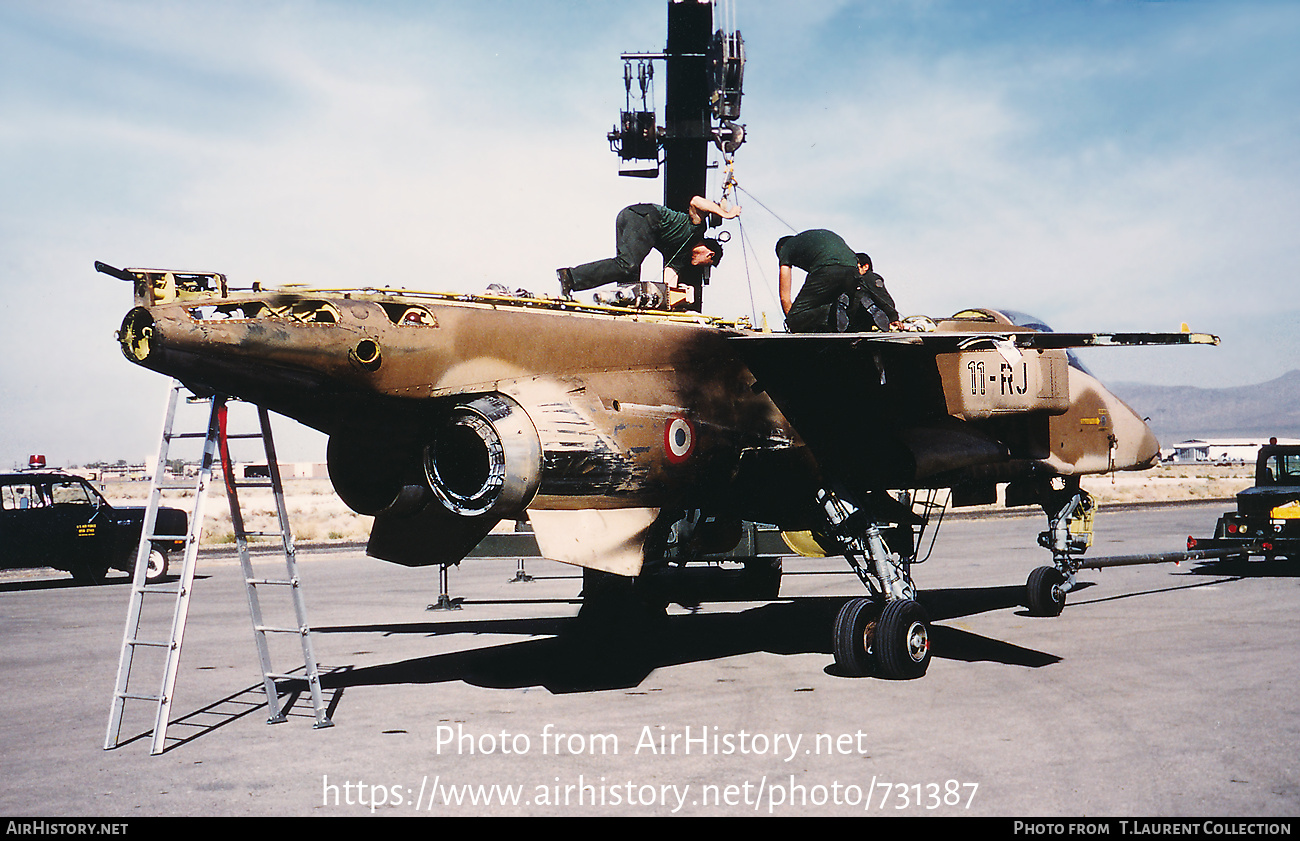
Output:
(1099, 432)
(1152, 447)
(1136, 446)
(1148, 449)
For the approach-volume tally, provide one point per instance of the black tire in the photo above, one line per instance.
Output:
(855, 628)
(902, 641)
(1043, 593)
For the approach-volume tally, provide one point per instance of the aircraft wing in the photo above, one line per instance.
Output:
(948, 342)
(899, 410)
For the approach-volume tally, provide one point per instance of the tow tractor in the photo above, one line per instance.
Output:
(1267, 519)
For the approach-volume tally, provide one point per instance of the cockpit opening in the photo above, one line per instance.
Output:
(1021, 319)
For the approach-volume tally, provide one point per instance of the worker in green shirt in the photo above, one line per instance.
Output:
(678, 236)
(834, 296)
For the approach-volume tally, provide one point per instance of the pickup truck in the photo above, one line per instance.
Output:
(1267, 519)
(49, 518)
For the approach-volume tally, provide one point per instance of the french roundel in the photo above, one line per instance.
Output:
(679, 439)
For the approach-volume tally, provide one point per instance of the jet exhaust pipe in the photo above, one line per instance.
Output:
(485, 459)
(372, 476)
(434, 503)
(482, 459)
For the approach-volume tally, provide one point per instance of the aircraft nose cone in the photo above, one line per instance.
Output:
(1136, 445)
(1148, 452)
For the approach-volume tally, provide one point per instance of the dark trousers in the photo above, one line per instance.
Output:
(813, 310)
(635, 230)
(846, 314)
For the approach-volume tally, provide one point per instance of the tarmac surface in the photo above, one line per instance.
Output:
(1160, 691)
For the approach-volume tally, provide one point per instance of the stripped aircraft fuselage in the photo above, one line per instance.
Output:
(448, 413)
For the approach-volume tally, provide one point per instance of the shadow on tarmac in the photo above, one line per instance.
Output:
(577, 656)
(212, 717)
(59, 583)
(1174, 589)
(1248, 569)
(570, 654)
(68, 583)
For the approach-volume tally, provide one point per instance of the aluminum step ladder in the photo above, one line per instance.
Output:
(214, 441)
(179, 591)
(252, 581)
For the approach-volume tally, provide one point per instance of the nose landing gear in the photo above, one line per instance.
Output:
(1069, 533)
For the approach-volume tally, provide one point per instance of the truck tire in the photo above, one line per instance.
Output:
(157, 566)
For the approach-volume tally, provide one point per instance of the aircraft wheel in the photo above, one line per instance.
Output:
(1045, 595)
(902, 643)
(855, 627)
(157, 566)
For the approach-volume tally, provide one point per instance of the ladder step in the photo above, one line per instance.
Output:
(152, 643)
(136, 696)
(165, 590)
(170, 537)
(285, 582)
(266, 629)
(306, 678)
(264, 483)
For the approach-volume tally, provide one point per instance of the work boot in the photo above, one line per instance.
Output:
(566, 283)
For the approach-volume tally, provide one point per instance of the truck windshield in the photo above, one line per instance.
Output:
(1282, 469)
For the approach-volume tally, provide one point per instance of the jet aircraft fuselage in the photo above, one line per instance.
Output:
(447, 413)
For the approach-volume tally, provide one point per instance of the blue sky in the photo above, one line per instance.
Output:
(1103, 165)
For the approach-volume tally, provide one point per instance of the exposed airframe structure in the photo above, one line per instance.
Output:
(634, 440)
(604, 426)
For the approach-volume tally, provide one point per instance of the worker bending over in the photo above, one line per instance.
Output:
(678, 236)
(841, 292)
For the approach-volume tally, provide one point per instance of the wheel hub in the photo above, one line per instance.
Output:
(918, 642)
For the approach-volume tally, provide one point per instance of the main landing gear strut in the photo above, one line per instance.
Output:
(887, 632)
